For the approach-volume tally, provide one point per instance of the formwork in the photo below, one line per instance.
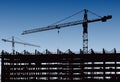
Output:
(73, 67)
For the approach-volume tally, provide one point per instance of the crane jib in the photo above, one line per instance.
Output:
(103, 19)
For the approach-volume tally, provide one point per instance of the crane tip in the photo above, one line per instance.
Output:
(109, 16)
(3, 40)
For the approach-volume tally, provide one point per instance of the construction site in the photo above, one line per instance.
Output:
(70, 66)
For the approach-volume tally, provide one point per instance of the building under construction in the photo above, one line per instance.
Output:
(29, 67)
(35, 67)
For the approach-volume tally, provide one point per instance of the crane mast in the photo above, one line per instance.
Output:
(85, 33)
(84, 23)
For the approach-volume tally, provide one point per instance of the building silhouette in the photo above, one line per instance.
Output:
(34, 67)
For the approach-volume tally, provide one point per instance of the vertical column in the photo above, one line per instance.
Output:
(2, 67)
(85, 33)
(104, 70)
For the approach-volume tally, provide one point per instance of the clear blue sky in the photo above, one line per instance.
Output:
(19, 15)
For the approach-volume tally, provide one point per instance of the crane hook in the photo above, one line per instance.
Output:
(58, 31)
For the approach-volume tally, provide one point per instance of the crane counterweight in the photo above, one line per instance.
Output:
(104, 19)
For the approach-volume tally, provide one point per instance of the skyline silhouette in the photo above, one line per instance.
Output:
(19, 15)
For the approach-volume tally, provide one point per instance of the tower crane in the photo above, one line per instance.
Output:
(84, 23)
(13, 43)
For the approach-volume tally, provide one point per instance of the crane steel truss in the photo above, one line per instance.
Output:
(84, 22)
(13, 43)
